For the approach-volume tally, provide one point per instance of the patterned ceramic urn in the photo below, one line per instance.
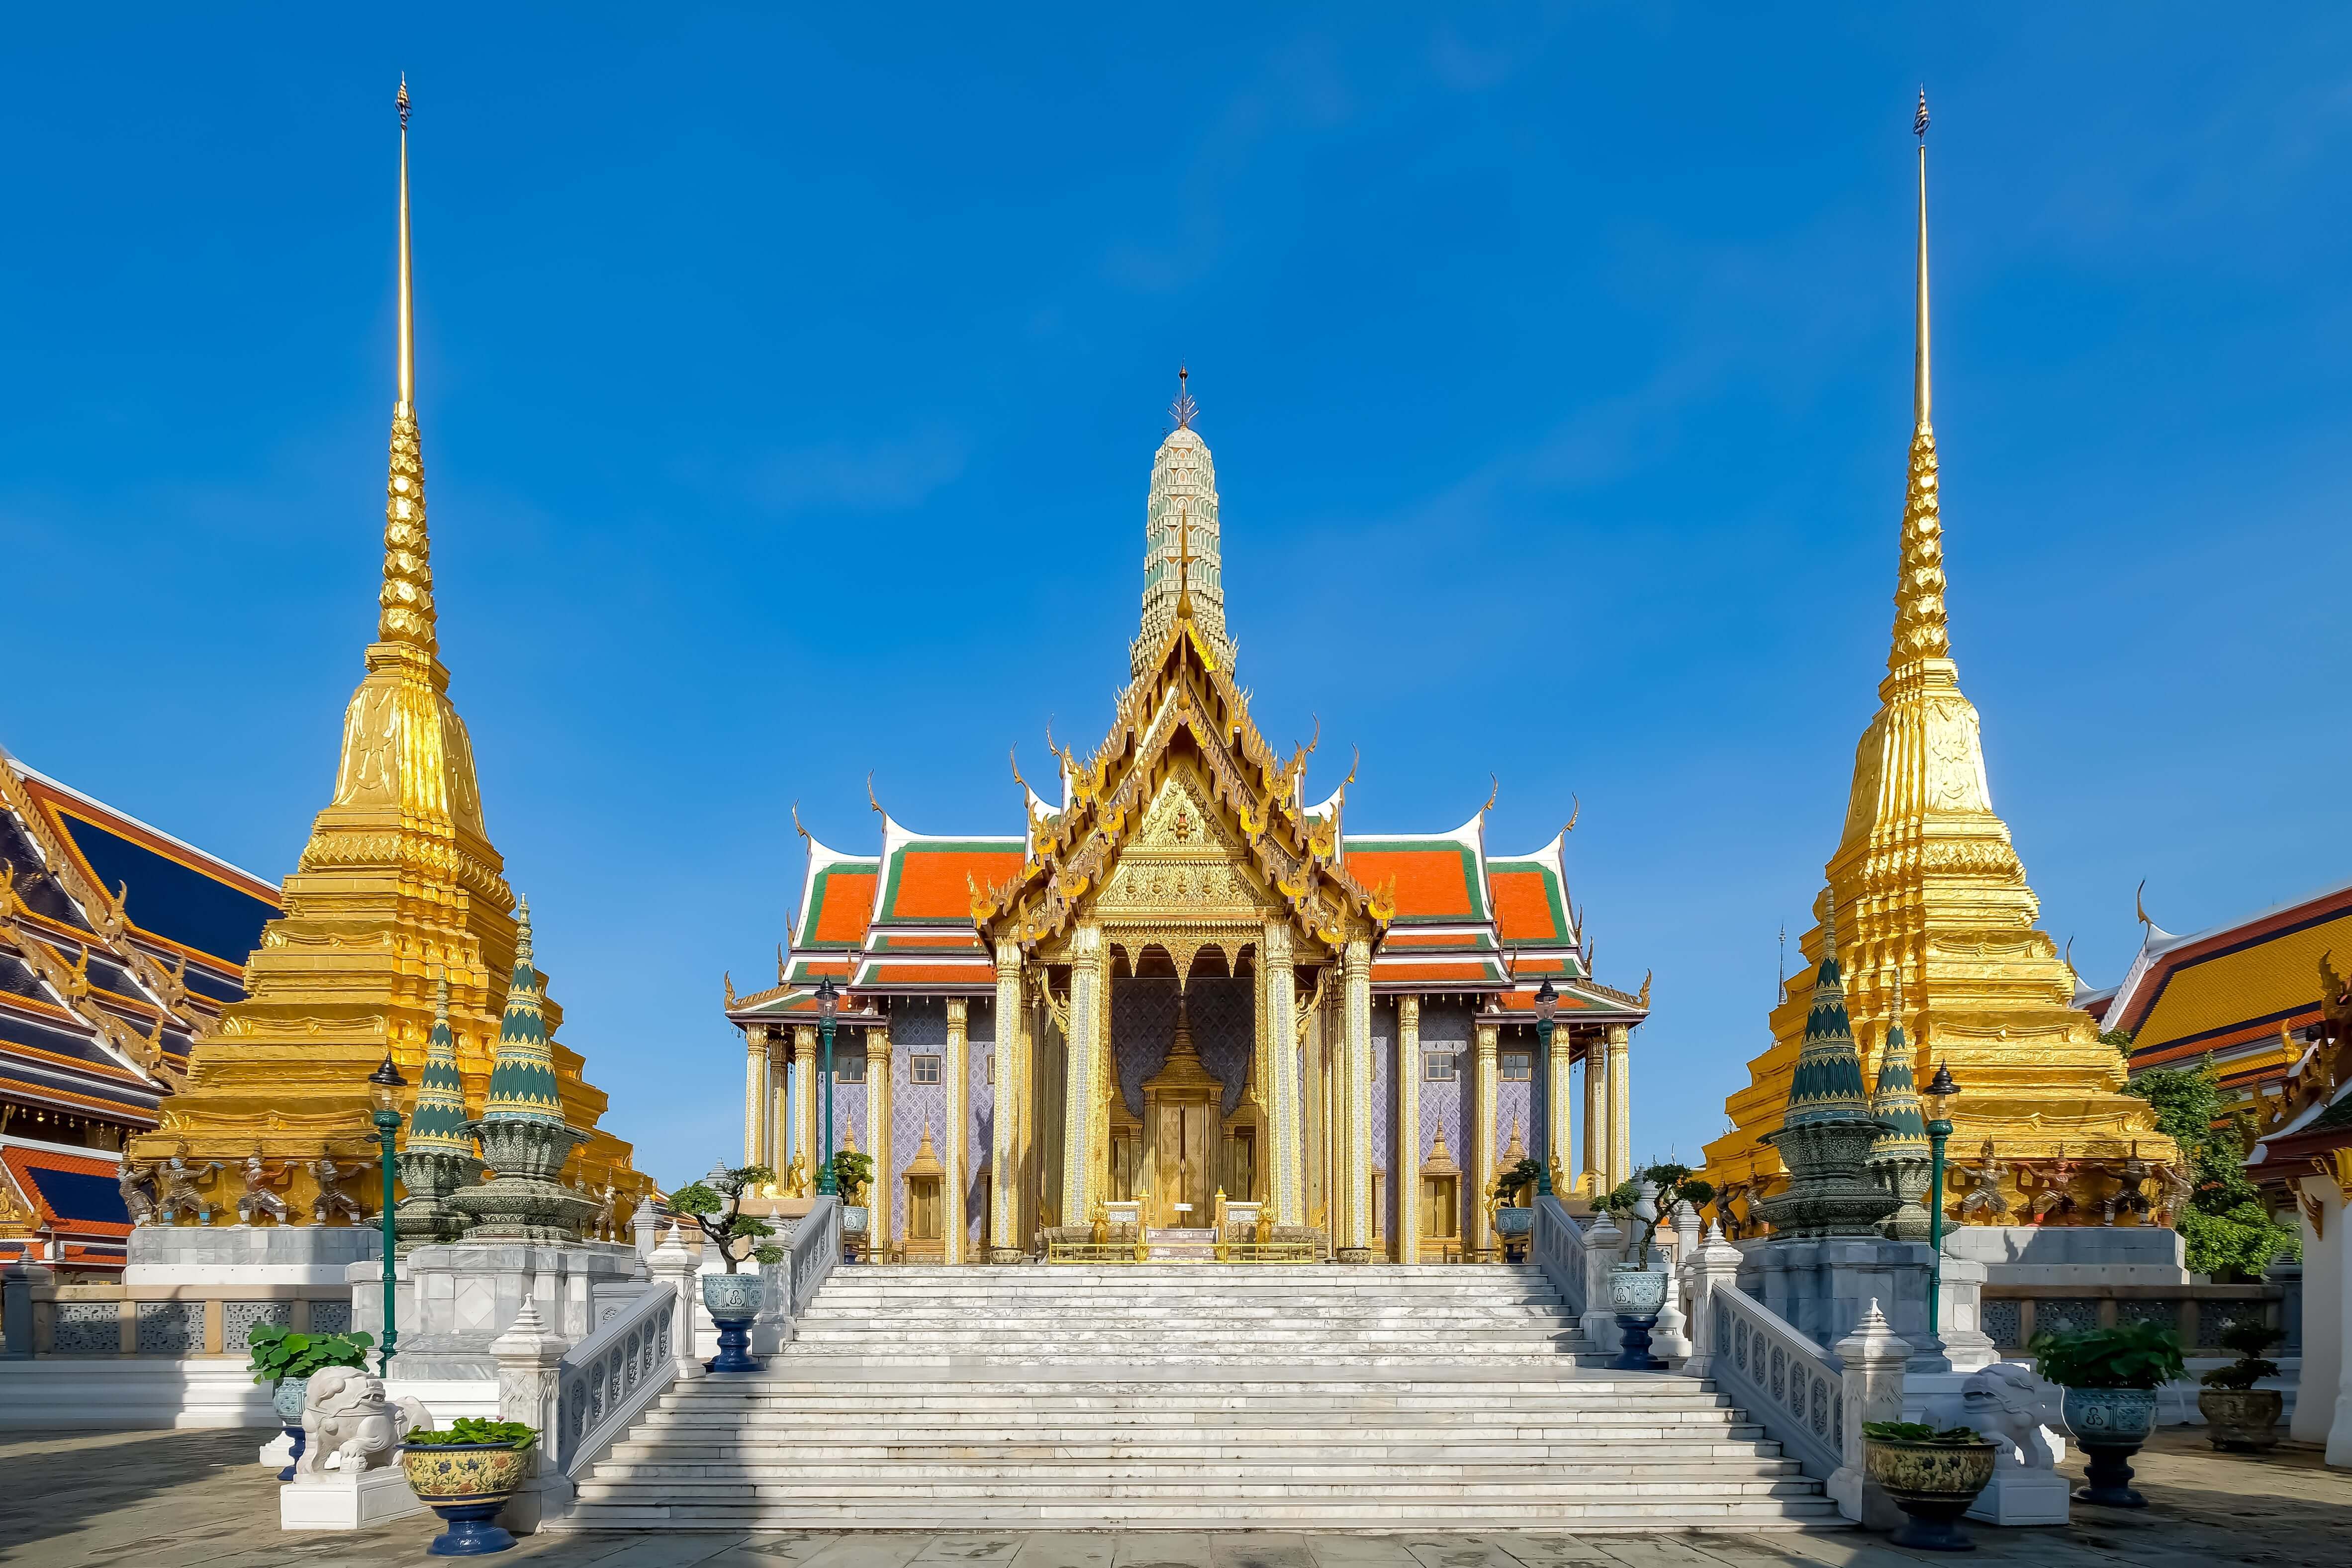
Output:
(733, 1300)
(1636, 1293)
(286, 1399)
(1933, 1484)
(2242, 1420)
(465, 1484)
(2111, 1424)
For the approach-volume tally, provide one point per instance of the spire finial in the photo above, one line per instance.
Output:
(1183, 410)
(406, 602)
(1920, 398)
(1183, 562)
(523, 931)
(441, 998)
(1921, 629)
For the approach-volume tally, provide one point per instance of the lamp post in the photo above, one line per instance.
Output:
(1547, 1004)
(384, 1085)
(1938, 1095)
(828, 1002)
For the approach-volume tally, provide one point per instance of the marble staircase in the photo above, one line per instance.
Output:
(1182, 1396)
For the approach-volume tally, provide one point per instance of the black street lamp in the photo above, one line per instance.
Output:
(384, 1085)
(828, 1002)
(1547, 1004)
(1937, 1096)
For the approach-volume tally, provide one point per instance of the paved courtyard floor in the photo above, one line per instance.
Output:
(178, 1499)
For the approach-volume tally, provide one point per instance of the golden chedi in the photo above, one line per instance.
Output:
(1930, 903)
(398, 890)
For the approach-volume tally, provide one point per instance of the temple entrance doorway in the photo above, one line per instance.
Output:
(1186, 1123)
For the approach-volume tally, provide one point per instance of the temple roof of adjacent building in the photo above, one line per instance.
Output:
(2230, 989)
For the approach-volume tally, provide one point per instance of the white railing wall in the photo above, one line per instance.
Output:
(609, 1378)
(1558, 1249)
(787, 1288)
(1781, 1377)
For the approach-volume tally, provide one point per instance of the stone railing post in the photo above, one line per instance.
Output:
(1714, 1266)
(1874, 1355)
(531, 1386)
(673, 1265)
(1603, 1246)
(18, 1283)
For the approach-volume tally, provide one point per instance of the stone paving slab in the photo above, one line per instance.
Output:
(196, 1500)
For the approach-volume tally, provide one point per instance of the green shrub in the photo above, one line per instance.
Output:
(517, 1434)
(1920, 1432)
(2130, 1355)
(279, 1352)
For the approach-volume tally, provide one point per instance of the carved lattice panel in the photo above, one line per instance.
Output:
(1142, 1028)
(1225, 1031)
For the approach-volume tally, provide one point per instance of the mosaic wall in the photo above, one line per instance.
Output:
(1384, 1035)
(980, 1050)
(916, 1028)
(1446, 1027)
(1143, 1026)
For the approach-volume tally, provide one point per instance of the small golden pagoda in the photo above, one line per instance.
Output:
(1930, 903)
(398, 889)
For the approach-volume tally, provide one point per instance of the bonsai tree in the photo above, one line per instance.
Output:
(2128, 1356)
(714, 1204)
(279, 1352)
(851, 1172)
(1519, 1180)
(2249, 1340)
(1676, 1184)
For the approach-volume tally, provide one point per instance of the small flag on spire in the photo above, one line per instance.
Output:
(400, 100)
(1919, 120)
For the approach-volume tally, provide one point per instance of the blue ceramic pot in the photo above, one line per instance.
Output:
(287, 1398)
(733, 1300)
(2111, 1424)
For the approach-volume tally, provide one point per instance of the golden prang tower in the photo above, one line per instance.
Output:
(398, 888)
(1928, 896)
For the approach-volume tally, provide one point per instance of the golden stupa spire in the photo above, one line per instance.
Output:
(1926, 886)
(398, 890)
(406, 600)
(1923, 639)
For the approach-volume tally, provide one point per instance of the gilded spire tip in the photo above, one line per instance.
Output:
(400, 100)
(522, 932)
(441, 998)
(1921, 629)
(405, 600)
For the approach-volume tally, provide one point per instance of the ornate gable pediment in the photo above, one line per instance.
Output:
(1183, 757)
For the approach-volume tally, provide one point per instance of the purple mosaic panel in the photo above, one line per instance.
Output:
(1446, 1027)
(1385, 1036)
(980, 1045)
(1514, 1105)
(1224, 1030)
(1142, 1026)
(917, 1028)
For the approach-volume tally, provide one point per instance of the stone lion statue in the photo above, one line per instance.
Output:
(348, 1420)
(2009, 1404)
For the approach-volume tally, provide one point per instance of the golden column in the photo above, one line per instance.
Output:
(1278, 1005)
(755, 1095)
(955, 1067)
(1481, 1120)
(877, 1141)
(1405, 1154)
(397, 888)
(806, 1142)
(1596, 1117)
(1621, 1105)
(1559, 1089)
(1356, 1152)
(780, 1109)
(1011, 1109)
(1080, 1152)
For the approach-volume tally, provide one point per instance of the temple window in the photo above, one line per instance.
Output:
(1518, 1067)
(1439, 1067)
(849, 1068)
(922, 1070)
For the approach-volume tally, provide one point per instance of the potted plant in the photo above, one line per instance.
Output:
(1933, 1476)
(1636, 1291)
(2110, 1377)
(286, 1360)
(465, 1475)
(2242, 1418)
(714, 1204)
(851, 1172)
(1514, 1195)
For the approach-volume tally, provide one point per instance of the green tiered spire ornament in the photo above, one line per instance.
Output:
(1900, 1156)
(1826, 1136)
(524, 1137)
(438, 1158)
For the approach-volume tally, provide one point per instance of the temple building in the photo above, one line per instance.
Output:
(119, 945)
(2248, 994)
(1181, 985)
(1929, 903)
(398, 890)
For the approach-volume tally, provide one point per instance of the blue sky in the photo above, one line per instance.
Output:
(789, 383)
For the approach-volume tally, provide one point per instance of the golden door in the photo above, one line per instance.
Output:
(1186, 1158)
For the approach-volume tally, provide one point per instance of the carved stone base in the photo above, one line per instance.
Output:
(1002, 1255)
(1355, 1254)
